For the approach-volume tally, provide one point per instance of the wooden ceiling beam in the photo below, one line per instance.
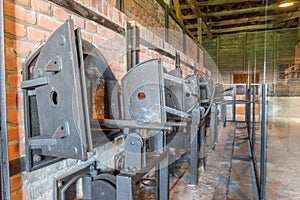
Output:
(215, 2)
(234, 12)
(242, 11)
(284, 17)
(199, 14)
(186, 17)
(245, 28)
(221, 2)
(275, 18)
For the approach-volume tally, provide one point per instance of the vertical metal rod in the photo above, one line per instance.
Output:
(4, 165)
(124, 188)
(202, 145)
(213, 116)
(246, 98)
(234, 104)
(253, 120)
(166, 23)
(132, 45)
(263, 155)
(184, 39)
(194, 150)
(248, 113)
(135, 45)
(163, 189)
(198, 54)
(177, 60)
(128, 46)
(218, 51)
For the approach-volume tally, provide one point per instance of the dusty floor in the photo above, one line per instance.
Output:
(283, 167)
(227, 173)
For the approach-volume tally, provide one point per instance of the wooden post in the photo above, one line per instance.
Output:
(177, 9)
(199, 30)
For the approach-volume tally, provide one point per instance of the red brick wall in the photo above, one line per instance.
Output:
(28, 23)
(146, 12)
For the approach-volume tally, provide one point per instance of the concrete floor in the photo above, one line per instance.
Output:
(227, 173)
(283, 167)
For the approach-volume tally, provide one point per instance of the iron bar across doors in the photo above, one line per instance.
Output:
(4, 165)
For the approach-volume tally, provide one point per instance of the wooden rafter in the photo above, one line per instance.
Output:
(245, 28)
(177, 9)
(199, 14)
(232, 16)
(216, 2)
(234, 12)
(173, 15)
(281, 17)
(221, 2)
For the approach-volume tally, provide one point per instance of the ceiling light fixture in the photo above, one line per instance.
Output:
(286, 3)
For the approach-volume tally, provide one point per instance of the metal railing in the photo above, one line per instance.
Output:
(255, 96)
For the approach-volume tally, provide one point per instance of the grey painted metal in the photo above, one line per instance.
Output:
(156, 141)
(135, 152)
(132, 45)
(163, 179)
(133, 124)
(248, 109)
(253, 119)
(202, 140)
(234, 104)
(177, 60)
(143, 98)
(253, 171)
(213, 126)
(103, 188)
(263, 156)
(87, 189)
(4, 163)
(166, 7)
(177, 112)
(60, 136)
(191, 93)
(194, 150)
(125, 187)
(84, 91)
(168, 126)
(184, 39)
(64, 187)
(173, 84)
(94, 186)
(93, 71)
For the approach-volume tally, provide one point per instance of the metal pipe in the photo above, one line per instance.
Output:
(133, 124)
(263, 155)
(4, 171)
